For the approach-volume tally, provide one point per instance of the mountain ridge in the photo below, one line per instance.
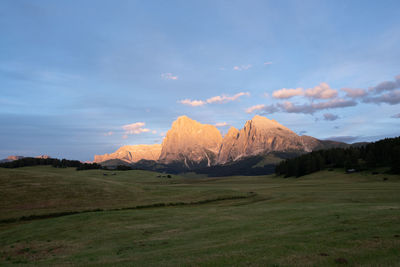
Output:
(190, 144)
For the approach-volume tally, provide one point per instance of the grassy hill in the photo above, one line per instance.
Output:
(323, 219)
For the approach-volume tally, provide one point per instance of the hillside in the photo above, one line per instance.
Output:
(318, 220)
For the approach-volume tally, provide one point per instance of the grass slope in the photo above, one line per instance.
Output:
(323, 219)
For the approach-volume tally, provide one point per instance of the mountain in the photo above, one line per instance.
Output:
(191, 143)
(258, 136)
(11, 158)
(131, 154)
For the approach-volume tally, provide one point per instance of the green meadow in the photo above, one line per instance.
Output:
(61, 217)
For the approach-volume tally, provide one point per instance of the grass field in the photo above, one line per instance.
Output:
(323, 219)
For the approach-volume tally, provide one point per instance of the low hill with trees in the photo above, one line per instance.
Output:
(383, 153)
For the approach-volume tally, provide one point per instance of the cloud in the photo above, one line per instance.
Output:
(108, 133)
(213, 100)
(387, 85)
(345, 139)
(330, 117)
(242, 67)
(313, 107)
(397, 116)
(354, 93)
(391, 98)
(193, 103)
(226, 98)
(287, 93)
(154, 132)
(168, 76)
(221, 124)
(135, 128)
(268, 63)
(266, 109)
(321, 91)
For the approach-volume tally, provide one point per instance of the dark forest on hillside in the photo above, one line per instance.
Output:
(383, 153)
(57, 163)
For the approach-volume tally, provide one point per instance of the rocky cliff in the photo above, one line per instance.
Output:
(258, 136)
(189, 141)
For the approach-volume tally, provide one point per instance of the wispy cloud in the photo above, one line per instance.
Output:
(397, 116)
(268, 63)
(330, 117)
(354, 92)
(226, 98)
(135, 128)
(221, 124)
(387, 85)
(193, 103)
(287, 93)
(321, 91)
(109, 133)
(266, 109)
(391, 98)
(169, 76)
(311, 108)
(242, 67)
(213, 100)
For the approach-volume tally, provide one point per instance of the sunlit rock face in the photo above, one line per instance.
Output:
(193, 144)
(12, 158)
(132, 154)
(228, 147)
(189, 141)
(258, 136)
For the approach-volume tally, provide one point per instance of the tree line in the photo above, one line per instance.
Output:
(383, 153)
(57, 163)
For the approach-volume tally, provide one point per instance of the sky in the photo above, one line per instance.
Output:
(79, 78)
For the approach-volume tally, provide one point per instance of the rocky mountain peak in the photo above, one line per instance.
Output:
(232, 132)
(262, 122)
(190, 141)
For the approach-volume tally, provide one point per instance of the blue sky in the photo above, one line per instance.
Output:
(79, 78)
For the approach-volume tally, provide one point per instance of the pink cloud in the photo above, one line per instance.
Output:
(287, 93)
(169, 76)
(193, 103)
(226, 98)
(221, 124)
(321, 91)
(135, 128)
(213, 100)
(354, 93)
(242, 67)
